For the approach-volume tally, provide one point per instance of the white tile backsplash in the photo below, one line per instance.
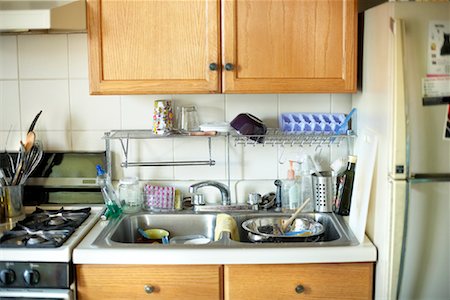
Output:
(210, 108)
(55, 140)
(88, 140)
(137, 111)
(197, 149)
(43, 56)
(92, 112)
(50, 96)
(50, 72)
(8, 57)
(9, 105)
(78, 58)
(264, 107)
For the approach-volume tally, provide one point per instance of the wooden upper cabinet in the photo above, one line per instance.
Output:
(259, 46)
(289, 46)
(138, 47)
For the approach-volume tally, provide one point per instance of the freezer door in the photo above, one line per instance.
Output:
(425, 268)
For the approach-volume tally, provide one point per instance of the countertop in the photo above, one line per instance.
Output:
(87, 253)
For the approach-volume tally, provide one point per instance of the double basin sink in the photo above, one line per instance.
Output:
(124, 230)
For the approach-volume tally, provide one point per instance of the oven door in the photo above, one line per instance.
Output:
(35, 294)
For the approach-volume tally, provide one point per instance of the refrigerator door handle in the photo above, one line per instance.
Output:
(399, 164)
(429, 177)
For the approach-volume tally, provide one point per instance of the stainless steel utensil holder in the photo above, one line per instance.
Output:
(323, 191)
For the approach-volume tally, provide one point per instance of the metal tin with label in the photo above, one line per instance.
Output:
(162, 116)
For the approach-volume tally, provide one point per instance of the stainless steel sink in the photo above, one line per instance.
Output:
(123, 232)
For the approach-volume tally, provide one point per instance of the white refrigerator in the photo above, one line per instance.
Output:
(408, 218)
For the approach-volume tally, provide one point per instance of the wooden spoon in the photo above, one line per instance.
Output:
(29, 141)
(287, 223)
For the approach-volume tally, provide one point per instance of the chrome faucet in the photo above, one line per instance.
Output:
(222, 188)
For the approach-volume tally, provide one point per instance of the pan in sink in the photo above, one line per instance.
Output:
(268, 229)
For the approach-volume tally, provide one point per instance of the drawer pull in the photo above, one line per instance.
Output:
(149, 288)
(299, 289)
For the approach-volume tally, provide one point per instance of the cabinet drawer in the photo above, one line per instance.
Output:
(306, 281)
(168, 282)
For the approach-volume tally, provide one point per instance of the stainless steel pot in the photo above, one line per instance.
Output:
(268, 229)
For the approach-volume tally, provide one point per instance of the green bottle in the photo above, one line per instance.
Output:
(344, 188)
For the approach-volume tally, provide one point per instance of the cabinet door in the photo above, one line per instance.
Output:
(285, 46)
(135, 282)
(153, 46)
(308, 281)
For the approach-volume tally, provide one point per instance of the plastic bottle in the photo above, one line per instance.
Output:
(291, 188)
(113, 209)
(342, 201)
(306, 183)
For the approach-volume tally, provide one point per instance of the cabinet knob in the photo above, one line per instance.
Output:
(213, 66)
(299, 289)
(229, 67)
(149, 288)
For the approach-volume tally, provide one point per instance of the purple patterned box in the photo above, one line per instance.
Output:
(159, 197)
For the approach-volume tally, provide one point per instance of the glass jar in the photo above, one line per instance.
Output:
(130, 196)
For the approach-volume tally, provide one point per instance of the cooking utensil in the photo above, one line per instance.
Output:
(287, 224)
(34, 122)
(29, 141)
(32, 160)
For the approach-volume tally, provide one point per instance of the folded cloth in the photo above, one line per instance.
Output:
(225, 222)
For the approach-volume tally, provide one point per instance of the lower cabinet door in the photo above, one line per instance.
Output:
(302, 281)
(149, 282)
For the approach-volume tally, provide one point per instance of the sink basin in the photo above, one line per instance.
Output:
(178, 225)
(123, 232)
(331, 226)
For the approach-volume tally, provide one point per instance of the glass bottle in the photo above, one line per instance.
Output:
(344, 189)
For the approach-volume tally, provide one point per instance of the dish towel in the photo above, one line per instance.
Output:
(225, 222)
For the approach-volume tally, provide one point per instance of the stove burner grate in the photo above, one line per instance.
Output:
(44, 229)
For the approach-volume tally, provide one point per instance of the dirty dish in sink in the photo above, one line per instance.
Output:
(155, 235)
(269, 229)
(195, 239)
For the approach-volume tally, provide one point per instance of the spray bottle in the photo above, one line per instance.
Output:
(113, 209)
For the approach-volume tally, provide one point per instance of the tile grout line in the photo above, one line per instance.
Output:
(68, 91)
(19, 94)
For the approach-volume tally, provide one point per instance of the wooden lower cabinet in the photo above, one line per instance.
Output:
(229, 282)
(149, 282)
(302, 281)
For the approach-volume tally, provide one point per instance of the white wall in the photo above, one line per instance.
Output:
(50, 72)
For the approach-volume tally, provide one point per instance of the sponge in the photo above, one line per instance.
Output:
(225, 222)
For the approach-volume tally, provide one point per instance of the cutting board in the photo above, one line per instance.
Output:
(365, 150)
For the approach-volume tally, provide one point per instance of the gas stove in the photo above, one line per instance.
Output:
(36, 255)
(44, 228)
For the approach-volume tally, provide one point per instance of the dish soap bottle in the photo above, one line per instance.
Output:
(342, 201)
(113, 209)
(291, 197)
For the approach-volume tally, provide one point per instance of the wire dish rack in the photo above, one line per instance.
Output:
(272, 137)
(275, 137)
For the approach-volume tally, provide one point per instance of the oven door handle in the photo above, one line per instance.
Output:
(63, 294)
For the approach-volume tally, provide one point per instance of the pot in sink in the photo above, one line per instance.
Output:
(268, 229)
